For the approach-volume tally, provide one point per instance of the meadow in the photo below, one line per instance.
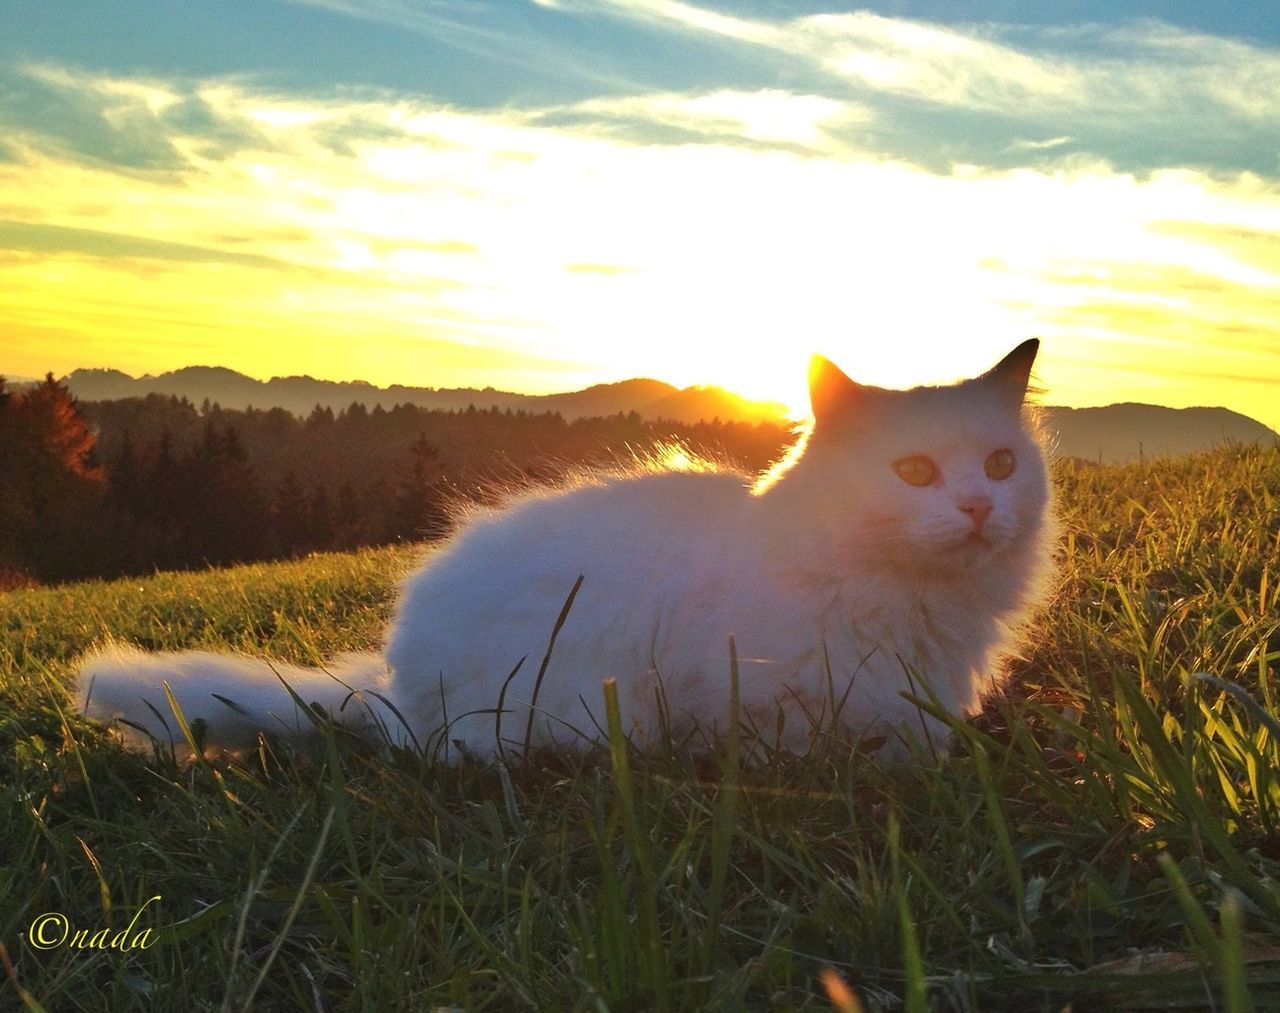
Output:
(1105, 835)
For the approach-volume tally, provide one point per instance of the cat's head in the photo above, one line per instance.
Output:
(934, 479)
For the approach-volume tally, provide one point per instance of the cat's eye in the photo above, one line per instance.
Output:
(918, 470)
(1000, 465)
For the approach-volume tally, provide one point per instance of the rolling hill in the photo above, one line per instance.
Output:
(1114, 433)
(1127, 432)
(301, 394)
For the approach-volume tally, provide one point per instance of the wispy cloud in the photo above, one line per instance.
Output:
(1047, 144)
(996, 66)
(939, 95)
(688, 16)
(769, 118)
(57, 239)
(479, 28)
(1192, 93)
(702, 234)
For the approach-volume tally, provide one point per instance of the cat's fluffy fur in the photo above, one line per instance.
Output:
(842, 582)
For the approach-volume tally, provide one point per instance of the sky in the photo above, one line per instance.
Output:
(538, 195)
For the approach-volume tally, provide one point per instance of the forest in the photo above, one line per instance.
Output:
(116, 488)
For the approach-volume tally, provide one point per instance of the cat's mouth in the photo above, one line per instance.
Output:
(974, 541)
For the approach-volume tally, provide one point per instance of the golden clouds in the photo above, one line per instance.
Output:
(399, 240)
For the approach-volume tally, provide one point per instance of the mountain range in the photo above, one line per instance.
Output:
(301, 394)
(1117, 432)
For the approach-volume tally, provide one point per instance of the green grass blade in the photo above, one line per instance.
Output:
(655, 962)
(725, 815)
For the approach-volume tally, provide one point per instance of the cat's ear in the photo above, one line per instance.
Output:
(1012, 373)
(831, 393)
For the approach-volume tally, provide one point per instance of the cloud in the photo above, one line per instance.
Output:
(1253, 244)
(1140, 95)
(434, 19)
(687, 16)
(768, 118)
(937, 65)
(510, 39)
(605, 269)
(1047, 144)
(135, 124)
(999, 67)
(343, 231)
(54, 239)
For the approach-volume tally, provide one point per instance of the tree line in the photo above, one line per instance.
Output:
(111, 488)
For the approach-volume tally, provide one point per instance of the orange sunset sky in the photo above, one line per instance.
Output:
(542, 195)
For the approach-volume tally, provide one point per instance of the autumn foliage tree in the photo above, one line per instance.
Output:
(50, 483)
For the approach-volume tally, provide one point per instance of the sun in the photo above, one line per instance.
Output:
(756, 372)
(778, 378)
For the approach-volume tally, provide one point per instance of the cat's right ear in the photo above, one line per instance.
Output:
(832, 394)
(1012, 374)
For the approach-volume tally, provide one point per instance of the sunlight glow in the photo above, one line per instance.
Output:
(404, 242)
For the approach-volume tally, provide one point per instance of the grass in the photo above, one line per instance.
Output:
(1104, 835)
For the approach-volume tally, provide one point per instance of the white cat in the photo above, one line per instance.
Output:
(899, 545)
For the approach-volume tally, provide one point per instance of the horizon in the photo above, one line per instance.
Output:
(543, 196)
(757, 403)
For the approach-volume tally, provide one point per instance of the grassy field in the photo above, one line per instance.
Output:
(1106, 835)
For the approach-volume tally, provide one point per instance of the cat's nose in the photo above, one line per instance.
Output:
(977, 507)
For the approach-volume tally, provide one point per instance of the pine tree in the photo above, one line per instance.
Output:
(51, 482)
(320, 534)
(289, 518)
(418, 510)
(223, 518)
(350, 529)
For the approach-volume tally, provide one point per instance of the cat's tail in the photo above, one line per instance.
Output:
(227, 699)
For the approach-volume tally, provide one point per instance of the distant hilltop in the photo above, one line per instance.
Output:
(1114, 433)
(1125, 432)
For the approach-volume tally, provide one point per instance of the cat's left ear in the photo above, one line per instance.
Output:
(831, 393)
(1012, 373)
